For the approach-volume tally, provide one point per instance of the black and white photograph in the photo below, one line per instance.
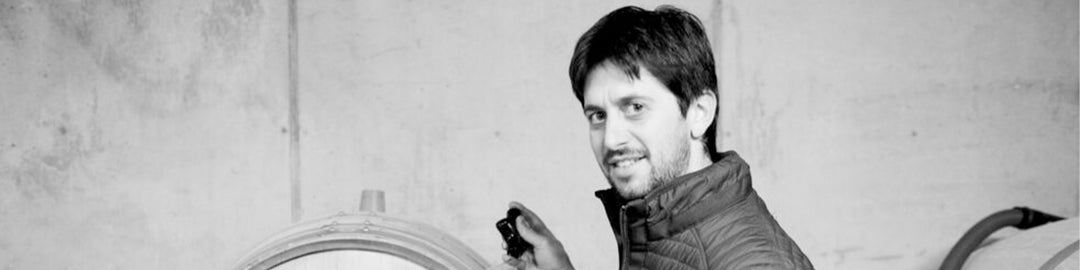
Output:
(539, 135)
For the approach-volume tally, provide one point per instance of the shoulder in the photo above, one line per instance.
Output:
(747, 235)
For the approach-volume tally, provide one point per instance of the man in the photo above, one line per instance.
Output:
(647, 85)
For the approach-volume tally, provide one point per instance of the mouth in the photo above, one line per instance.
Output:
(624, 162)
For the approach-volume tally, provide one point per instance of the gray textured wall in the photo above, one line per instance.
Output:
(140, 134)
(881, 131)
(155, 134)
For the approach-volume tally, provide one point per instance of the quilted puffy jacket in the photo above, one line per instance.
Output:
(708, 219)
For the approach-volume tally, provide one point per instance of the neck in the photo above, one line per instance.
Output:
(699, 159)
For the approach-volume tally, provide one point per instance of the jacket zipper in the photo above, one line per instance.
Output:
(625, 237)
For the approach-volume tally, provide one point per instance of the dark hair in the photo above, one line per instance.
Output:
(670, 43)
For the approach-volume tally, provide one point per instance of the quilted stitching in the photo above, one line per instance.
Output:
(725, 226)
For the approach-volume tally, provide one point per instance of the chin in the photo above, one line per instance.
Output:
(632, 194)
(636, 188)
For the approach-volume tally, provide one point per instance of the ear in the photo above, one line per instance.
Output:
(701, 113)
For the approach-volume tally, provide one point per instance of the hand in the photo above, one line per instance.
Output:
(502, 266)
(547, 252)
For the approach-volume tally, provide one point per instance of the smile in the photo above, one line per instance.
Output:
(625, 162)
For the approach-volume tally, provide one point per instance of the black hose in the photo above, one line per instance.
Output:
(1019, 217)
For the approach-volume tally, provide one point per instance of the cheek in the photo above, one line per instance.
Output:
(664, 135)
(596, 141)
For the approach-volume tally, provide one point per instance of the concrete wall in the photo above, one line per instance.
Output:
(881, 131)
(155, 135)
(140, 134)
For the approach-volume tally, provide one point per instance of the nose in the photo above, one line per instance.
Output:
(615, 133)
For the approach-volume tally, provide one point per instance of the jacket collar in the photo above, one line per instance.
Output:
(683, 202)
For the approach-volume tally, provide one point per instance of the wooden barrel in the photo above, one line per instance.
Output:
(368, 239)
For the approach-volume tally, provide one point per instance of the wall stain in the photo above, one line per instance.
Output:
(10, 29)
(842, 253)
(230, 25)
(160, 79)
(45, 172)
(135, 12)
(891, 257)
(190, 90)
(115, 34)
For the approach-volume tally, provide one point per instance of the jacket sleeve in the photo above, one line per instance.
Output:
(749, 238)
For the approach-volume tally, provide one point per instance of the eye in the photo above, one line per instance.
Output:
(635, 108)
(596, 117)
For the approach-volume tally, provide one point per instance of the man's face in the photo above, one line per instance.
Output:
(638, 133)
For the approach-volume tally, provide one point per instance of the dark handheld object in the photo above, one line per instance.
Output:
(1020, 217)
(515, 245)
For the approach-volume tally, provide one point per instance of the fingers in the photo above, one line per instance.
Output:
(503, 266)
(547, 252)
(530, 226)
(533, 220)
(519, 263)
(527, 261)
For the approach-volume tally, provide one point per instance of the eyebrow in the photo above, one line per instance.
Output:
(631, 97)
(622, 101)
(587, 108)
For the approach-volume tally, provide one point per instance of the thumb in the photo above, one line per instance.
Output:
(528, 233)
(530, 226)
